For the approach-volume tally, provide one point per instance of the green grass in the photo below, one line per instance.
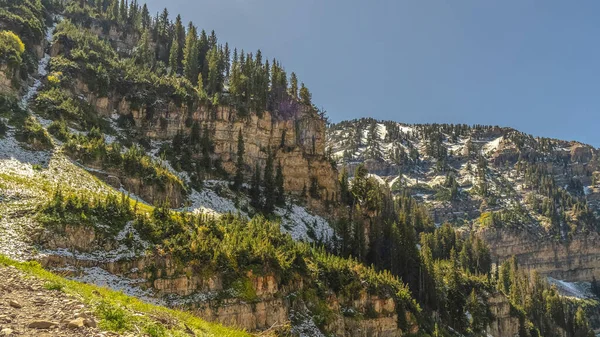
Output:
(120, 313)
(53, 285)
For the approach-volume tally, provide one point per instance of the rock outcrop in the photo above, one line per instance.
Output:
(503, 324)
(298, 141)
(272, 305)
(577, 259)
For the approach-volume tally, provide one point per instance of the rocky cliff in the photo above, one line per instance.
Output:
(273, 302)
(575, 260)
(298, 142)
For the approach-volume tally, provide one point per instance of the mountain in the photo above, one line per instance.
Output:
(145, 155)
(531, 197)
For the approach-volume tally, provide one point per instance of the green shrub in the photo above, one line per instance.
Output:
(34, 134)
(11, 49)
(112, 316)
(54, 285)
(58, 129)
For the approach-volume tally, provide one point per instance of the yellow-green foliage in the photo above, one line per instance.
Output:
(25, 18)
(34, 134)
(11, 48)
(54, 78)
(233, 246)
(486, 219)
(133, 163)
(121, 313)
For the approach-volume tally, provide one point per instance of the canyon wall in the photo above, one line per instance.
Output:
(298, 141)
(577, 259)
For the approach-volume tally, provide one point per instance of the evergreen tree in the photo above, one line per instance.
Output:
(227, 54)
(270, 191)
(239, 166)
(305, 96)
(294, 85)
(173, 57)
(144, 54)
(145, 17)
(581, 326)
(100, 6)
(345, 187)
(279, 181)
(203, 49)
(179, 36)
(200, 88)
(190, 55)
(113, 10)
(213, 72)
(123, 12)
(255, 192)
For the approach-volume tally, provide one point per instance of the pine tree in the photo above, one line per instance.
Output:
(212, 40)
(113, 10)
(123, 12)
(100, 6)
(200, 88)
(269, 185)
(294, 85)
(179, 32)
(144, 53)
(203, 49)
(134, 14)
(255, 193)
(173, 57)
(305, 96)
(227, 54)
(279, 181)
(344, 187)
(239, 166)
(190, 55)
(145, 17)
(213, 72)
(581, 326)
(164, 26)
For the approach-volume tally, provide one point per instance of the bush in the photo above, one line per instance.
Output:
(59, 130)
(11, 49)
(34, 134)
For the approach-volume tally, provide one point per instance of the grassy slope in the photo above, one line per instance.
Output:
(120, 313)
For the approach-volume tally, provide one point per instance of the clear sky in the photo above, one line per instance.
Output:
(532, 65)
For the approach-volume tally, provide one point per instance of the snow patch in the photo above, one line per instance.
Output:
(209, 202)
(298, 222)
(493, 145)
(578, 290)
(101, 277)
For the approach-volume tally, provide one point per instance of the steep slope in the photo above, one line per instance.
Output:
(38, 303)
(535, 198)
(140, 156)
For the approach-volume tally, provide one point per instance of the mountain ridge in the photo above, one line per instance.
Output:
(262, 234)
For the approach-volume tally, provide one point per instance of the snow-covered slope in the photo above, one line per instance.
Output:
(493, 166)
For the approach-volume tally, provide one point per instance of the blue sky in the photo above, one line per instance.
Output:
(532, 65)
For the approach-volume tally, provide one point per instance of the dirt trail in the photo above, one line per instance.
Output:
(28, 308)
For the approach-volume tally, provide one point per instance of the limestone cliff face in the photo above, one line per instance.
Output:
(298, 142)
(503, 324)
(273, 305)
(577, 259)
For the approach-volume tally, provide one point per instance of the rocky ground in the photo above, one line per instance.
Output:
(32, 307)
